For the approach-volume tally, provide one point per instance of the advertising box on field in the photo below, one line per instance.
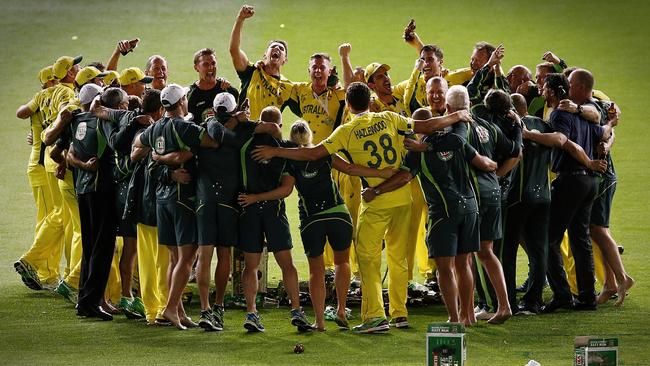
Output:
(595, 351)
(446, 345)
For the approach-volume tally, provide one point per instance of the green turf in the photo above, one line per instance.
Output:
(609, 38)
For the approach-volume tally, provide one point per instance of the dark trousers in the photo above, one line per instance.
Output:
(571, 201)
(528, 223)
(98, 227)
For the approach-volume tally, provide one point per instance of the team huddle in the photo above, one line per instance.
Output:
(449, 172)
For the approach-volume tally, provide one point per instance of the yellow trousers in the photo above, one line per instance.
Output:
(42, 194)
(45, 253)
(569, 264)
(416, 243)
(73, 247)
(375, 224)
(350, 189)
(153, 260)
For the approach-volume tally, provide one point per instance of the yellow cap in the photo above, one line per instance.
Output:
(46, 75)
(111, 76)
(63, 65)
(87, 74)
(133, 75)
(373, 68)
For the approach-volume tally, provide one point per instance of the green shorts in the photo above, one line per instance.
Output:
(333, 227)
(216, 224)
(602, 207)
(176, 223)
(490, 222)
(264, 222)
(450, 236)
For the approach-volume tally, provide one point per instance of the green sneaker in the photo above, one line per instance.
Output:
(218, 312)
(137, 306)
(28, 275)
(64, 289)
(372, 325)
(125, 307)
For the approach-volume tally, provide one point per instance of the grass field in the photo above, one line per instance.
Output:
(609, 38)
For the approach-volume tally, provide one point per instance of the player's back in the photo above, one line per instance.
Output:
(373, 140)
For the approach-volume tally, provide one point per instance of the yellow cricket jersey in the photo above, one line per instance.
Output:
(413, 91)
(60, 95)
(323, 112)
(377, 105)
(262, 89)
(459, 76)
(372, 139)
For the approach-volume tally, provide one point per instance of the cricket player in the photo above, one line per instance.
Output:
(262, 83)
(28, 265)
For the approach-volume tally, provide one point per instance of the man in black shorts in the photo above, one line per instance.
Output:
(176, 218)
(263, 218)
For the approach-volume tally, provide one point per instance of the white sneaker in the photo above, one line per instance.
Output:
(483, 315)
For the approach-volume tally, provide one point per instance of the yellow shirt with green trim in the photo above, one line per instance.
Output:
(60, 95)
(414, 89)
(262, 89)
(373, 140)
(322, 112)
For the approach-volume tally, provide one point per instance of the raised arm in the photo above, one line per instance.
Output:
(239, 58)
(412, 38)
(283, 190)
(343, 166)
(123, 47)
(348, 74)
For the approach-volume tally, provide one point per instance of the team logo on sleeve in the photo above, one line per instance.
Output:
(160, 145)
(483, 134)
(445, 155)
(81, 131)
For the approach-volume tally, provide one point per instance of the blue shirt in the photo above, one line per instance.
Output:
(576, 129)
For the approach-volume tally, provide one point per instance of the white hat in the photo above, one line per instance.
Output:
(171, 94)
(88, 92)
(225, 100)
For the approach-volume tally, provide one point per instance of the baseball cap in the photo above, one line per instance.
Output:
(46, 74)
(373, 68)
(111, 76)
(87, 74)
(133, 75)
(88, 92)
(63, 64)
(226, 101)
(171, 94)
